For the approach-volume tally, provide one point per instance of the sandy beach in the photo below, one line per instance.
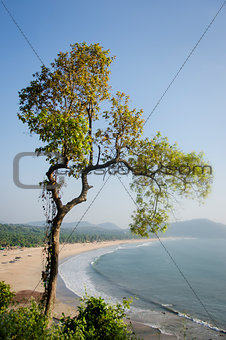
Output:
(22, 267)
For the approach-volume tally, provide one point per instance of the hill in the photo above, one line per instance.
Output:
(199, 228)
(31, 236)
(83, 226)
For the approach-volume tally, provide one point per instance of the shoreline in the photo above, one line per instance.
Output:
(142, 330)
(22, 267)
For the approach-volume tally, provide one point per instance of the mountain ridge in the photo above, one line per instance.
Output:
(81, 225)
(201, 228)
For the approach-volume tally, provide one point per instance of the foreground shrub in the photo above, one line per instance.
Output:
(24, 323)
(6, 296)
(98, 320)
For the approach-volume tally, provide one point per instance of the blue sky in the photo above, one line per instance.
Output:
(150, 39)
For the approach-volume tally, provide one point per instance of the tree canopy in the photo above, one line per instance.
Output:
(62, 104)
(72, 108)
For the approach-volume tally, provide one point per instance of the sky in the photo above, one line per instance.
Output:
(151, 40)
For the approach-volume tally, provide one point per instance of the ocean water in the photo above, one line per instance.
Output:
(162, 297)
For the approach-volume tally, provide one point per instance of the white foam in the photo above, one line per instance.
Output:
(75, 273)
(146, 244)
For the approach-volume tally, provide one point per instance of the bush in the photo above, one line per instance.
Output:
(6, 296)
(98, 320)
(24, 323)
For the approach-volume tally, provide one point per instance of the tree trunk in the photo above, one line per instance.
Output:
(53, 247)
(54, 257)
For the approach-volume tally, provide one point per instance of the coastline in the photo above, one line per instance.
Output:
(22, 267)
(72, 300)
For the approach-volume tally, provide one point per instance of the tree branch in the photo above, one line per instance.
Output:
(98, 159)
(90, 117)
(83, 195)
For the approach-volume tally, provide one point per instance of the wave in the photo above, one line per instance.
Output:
(193, 319)
(119, 247)
(82, 283)
(146, 244)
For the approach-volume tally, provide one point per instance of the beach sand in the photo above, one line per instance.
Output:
(22, 267)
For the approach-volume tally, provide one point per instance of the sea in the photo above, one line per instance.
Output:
(178, 285)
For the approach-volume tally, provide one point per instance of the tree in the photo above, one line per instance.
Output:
(62, 105)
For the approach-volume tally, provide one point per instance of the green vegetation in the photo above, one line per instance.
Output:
(23, 236)
(96, 320)
(6, 295)
(28, 236)
(24, 323)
